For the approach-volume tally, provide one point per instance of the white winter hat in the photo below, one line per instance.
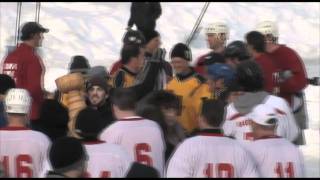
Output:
(17, 101)
(263, 114)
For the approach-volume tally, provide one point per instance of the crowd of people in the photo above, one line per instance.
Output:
(238, 112)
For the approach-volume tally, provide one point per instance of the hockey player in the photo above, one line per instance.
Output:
(217, 36)
(276, 157)
(23, 152)
(106, 160)
(209, 153)
(188, 85)
(292, 76)
(142, 138)
(250, 78)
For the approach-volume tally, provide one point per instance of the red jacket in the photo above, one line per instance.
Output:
(115, 66)
(200, 68)
(286, 58)
(27, 69)
(268, 68)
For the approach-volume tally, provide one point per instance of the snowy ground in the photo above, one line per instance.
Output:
(95, 30)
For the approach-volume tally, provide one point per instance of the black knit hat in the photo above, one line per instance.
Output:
(98, 81)
(149, 35)
(89, 123)
(79, 64)
(6, 83)
(138, 170)
(67, 153)
(181, 50)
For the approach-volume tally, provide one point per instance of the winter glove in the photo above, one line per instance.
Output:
(159, 55)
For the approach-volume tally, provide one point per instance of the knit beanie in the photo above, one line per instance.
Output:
(67, 153)
(79, 64)
(89, 123)
(98, 71)
(181, 50)
(6, 83)
(149, 35)
(98, 81)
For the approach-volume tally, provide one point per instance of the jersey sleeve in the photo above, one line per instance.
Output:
(288, 127)
(45, 164)
(228, 125)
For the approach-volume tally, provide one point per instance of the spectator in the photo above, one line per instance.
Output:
(98, 98)
(68, 158)
(132, 58)
(26, 67)
(18, 143)
(188, 85)
(130, 37)
(235, 53)
(257, 48)
(153, 51)
(292, 76)
(276, 157)
(220, 77)
(144, 15)
(250, 78)
(78, 64)
(6, 83)
(217, 35)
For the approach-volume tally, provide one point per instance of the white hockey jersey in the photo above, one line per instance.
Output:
(277, 157)
(210, 154)
(238, 125)
(142, 138)
(23, 152)
(107, 160)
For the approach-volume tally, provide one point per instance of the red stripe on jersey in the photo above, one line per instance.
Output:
(93, 142)
(235, 116)
(280, 112)
(268, 137)
(131, 119)
(210, 134)
(14, 128)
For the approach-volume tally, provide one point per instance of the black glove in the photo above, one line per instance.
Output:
(159, 55)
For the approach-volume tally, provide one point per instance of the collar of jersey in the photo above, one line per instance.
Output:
(93, 142)
(14, 128)
(131, 118)
(211, 132)
(267, 137)
(128, 71)
(184, 77)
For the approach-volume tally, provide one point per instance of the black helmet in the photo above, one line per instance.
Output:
(134, 37)
(237, 49)
(249, 76)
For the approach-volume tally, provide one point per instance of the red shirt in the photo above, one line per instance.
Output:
(115, 67)
(27, 69)
(200, 68)
(286, 58)
(268, 68)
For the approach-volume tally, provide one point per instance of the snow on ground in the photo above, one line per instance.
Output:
(95, 30)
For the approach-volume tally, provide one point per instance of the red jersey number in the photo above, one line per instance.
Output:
(140, 156)
(23, 163)
(287, 172)
(219, 170)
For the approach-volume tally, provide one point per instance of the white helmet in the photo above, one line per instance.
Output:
(268, 27)
(17, 101)
(217, 28)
